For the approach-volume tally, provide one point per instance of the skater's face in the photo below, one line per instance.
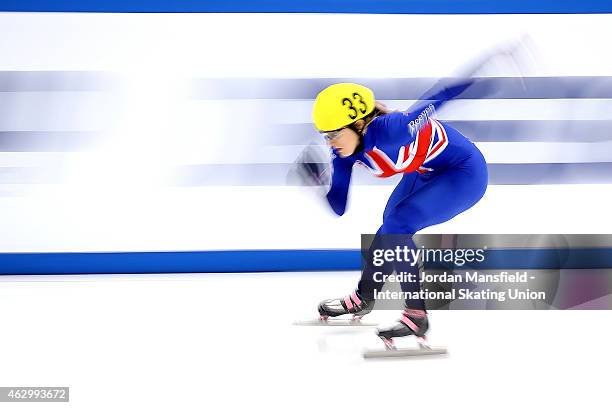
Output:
(344, 141)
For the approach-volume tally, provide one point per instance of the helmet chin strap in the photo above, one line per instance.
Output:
(360, 145)
(367, 123)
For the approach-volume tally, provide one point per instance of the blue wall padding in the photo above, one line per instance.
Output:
(279, 260)
(314, 6)
(170, 262)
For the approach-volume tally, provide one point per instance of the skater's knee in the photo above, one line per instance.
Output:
(407, 221)
(398, 227)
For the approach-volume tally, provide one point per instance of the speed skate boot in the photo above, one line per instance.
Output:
(413, 322)
(351, 304)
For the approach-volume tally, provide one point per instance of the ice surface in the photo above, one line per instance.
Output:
(221, 340)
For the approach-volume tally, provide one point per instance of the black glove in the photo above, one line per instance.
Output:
(312, 167)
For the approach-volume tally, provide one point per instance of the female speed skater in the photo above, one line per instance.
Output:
(442, 175)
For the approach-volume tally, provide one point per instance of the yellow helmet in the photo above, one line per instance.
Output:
(339, 105)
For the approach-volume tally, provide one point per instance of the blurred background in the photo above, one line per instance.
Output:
(132, 132)
(177, 132)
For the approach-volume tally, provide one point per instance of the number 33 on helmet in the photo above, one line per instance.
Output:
(340, 105)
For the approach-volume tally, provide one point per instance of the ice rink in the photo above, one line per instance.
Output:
(221, 340)
(160, 132)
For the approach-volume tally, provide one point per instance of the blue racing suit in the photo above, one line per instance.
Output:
(443, 172)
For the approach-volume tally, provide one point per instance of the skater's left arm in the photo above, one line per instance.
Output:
(337, 196)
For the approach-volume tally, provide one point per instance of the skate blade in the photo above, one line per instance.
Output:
(407, 352)
(334, 322)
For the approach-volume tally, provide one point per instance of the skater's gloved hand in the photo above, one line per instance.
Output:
(312, 167)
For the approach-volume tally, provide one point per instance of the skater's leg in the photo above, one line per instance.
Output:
(434, 202)
(367, 285)
(437, 201)
(416, 203)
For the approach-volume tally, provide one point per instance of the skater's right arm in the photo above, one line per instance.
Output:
(448, 89)
(437, 96)
(337, 195)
